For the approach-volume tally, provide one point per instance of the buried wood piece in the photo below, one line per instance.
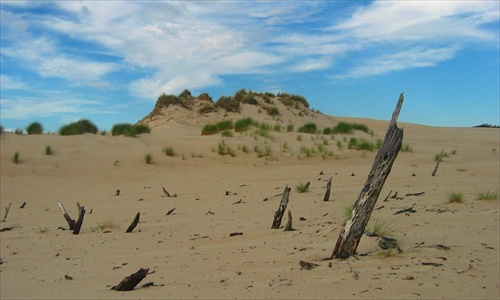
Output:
(278, 215)
(134, 222)
(415, 194)
(406, 210)
(7, 209)
(171, 211)
(288, 226)
(350, 235)
(129, 282)
(79, 222)
(307, 265)
(437, 163)
(166, 192)
(71, 222)
(328, 187)
(23, 205)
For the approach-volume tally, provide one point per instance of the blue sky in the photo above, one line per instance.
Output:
(108, 61)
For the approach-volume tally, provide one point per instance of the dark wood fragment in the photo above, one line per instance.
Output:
(236, 233)
(79, 222)
(288, 226)
(328, 188)
(7, 209)
(171, 211)
(409, 210)
(437, 163)
(134, 223)
(307, 265)
(415, 194)
(278, 215)
(129, 282)
(23, 205)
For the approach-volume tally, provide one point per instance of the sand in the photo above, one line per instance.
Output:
(190, 253)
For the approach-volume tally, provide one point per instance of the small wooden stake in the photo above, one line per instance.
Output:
(278, 215)
(134, 222)
(7, 209)
(328, 187)
(288, 226)
(437, 163)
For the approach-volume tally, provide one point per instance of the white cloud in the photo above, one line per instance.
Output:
(407, 59)
(11, 83)
(29, 108)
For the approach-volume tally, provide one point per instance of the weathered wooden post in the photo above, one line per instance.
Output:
(288, 226)
(278, 215)
(328, 187)
(350, 235)
(71, 222)
(79, 222)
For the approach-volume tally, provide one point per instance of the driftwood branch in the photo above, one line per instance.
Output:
(134, 222)
(71, 222)
(354, 228)
(328, 187)
(7, 209)
(129, 282)
(278, 215)
(437, 163)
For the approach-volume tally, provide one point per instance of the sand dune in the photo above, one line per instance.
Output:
(190, 252)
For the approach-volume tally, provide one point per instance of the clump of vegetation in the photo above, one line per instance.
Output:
(227, 133)
(339, 145)
(148, 158)
(302, 188)
(348, 211)
(109, 224)
(243, 124)
(262, 152)
(406, 148)
(209, 129)
(34, 128)
(79, 127)
(346, 128)
(309, 127)
(1, 129)
(381, 228)
(273, 111)
(228, 103)
(48, 150)
(455, 197)
(225, 125)
(224, 149)
(439, 156)
(292, 100)
(489, 195)
(360, 144)
(19, 131)
(129, 130)
(15, 158)
(169, 151)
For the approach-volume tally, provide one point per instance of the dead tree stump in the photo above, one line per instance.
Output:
(437, 163)
(328, 187)
(354, 228)
(134, 222)
(129, 282)
(79, 222)
(278, 215)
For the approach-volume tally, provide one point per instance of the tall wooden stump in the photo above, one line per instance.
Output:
(278, 215)
(350, 235)
(328, 187)
(437, 163)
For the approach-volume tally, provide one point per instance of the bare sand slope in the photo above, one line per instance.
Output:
(190, 252)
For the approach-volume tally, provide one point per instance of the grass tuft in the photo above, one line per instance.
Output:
(48, 150)
(489, 195)
(148, 158)
(34, 128)
(15, 158)
(302, 188)
(169, 151)
(455, 197)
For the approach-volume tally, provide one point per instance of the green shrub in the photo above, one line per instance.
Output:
(289, 128)
(228, 103)
(48, 150)
(327, 131)
(308, 128)
(19, 131)
(273, 111)
(365, 145)
(1, 129)
(227, 133)
(339, 145)
(277, 127)
(148, 158)
(455, 197)
(225, 125)
(209, 129)
(299, 138)
(169, 151)
(15, 158)
(487, 195)
(34, 128)
(342, 128)
(406, 148)
(302, 188)
(79, 127)
(129, 130)
(243, 124)
(142, 128)
(360, 127)
(353, 143)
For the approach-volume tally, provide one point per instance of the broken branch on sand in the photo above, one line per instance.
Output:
(134, 223)
(129, 282)
(7, 209)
